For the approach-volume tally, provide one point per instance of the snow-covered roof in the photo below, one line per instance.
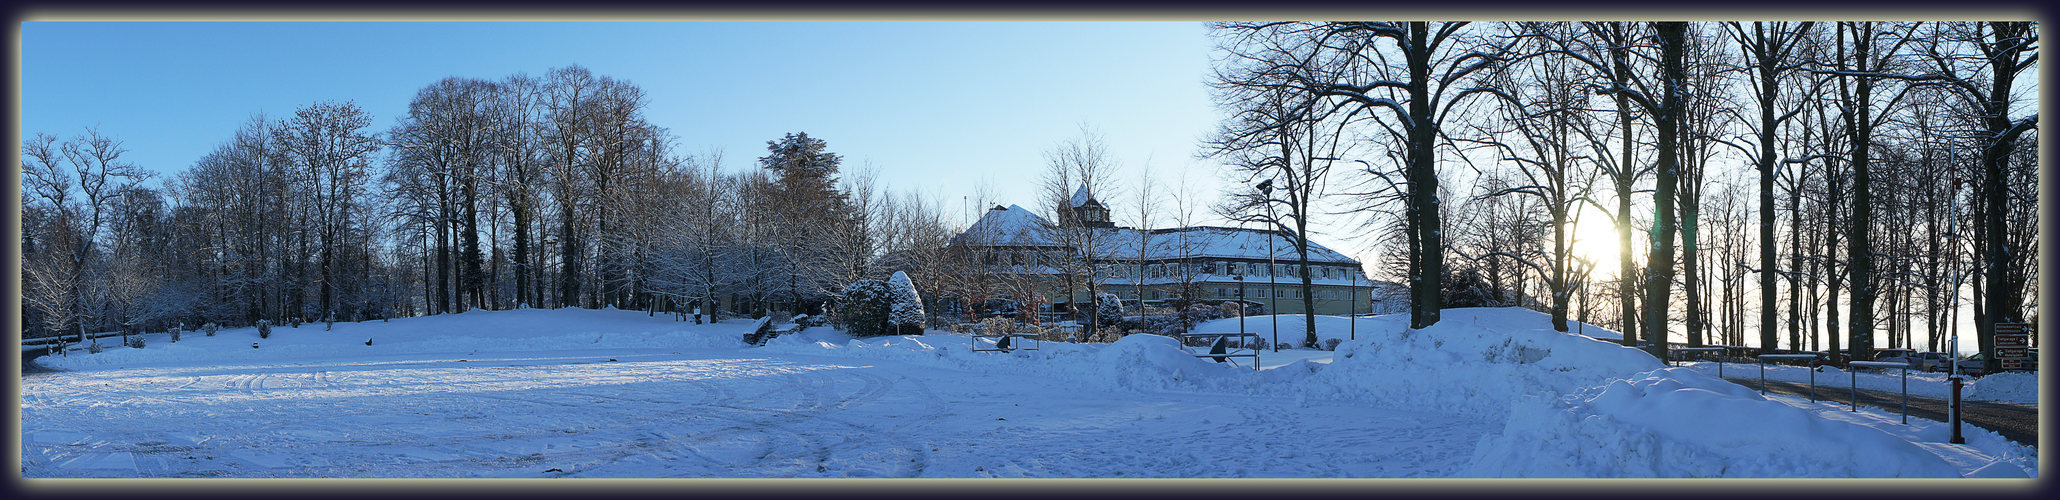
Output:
(1212, 242)
(1080, 197)
(1016, 226)
(1010, 226)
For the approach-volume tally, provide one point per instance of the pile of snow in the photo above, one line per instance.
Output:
(1677, 423)
(2005, 387)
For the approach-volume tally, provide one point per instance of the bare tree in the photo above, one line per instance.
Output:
(1407, 77)
(1077, 171)
(1771, 58)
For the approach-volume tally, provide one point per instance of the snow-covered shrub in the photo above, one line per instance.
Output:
(1197, 313)
(95, 347)
(211, 328)
(865, 308)
(1228, 310)
(1466, 288)
(175, 332)
(1108, 309)
(135, 341)
(906, 311)
(1331, 344)
(264, 328)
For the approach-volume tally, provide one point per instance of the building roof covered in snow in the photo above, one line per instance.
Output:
(1015, 226)
(1082, 198)
(1011, 226)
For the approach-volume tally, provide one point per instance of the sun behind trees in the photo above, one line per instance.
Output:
(1656, 119)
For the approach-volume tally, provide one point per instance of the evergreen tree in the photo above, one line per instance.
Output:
(907, 310)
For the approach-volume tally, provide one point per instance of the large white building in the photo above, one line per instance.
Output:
(1159, 267)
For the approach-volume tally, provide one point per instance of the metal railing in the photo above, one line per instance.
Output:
(1248, 346)
(1716, 349)
(1005, 342)
(1905, 367)
(1763, 371)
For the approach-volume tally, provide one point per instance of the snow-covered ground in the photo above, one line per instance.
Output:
(536, 393)
(2006, 387)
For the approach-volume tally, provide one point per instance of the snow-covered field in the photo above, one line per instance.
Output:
(578, 393)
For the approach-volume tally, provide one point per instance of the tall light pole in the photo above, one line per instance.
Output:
(1272, 267)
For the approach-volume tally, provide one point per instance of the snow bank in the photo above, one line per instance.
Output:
(2005, 387)
(1676, 423)
(1474, 362)
(1570, 405)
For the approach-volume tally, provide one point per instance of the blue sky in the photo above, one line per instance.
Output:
(937, 107)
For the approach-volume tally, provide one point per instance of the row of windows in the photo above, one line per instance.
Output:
(1226, 268)
(1251, 292)
(1284, 293)
(1173, 270)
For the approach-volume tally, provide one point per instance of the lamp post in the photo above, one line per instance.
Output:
(1272, 266)
(1240, 277)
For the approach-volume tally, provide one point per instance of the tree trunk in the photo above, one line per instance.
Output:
(1426, 305)
(1660, 265)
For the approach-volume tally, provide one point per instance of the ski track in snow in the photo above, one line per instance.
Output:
(696, 413)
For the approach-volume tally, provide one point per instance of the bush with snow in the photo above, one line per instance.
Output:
(211, 328)
(264, 328)
(866, 307)
(906, 312)
(1108, 309)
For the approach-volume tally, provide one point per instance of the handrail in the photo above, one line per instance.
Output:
(1220, 348)
(1905, 367)
(1763, 371)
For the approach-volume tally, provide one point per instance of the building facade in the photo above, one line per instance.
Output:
(1157, 269)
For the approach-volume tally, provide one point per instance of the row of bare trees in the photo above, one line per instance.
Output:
(485, 194)
(1894, 154)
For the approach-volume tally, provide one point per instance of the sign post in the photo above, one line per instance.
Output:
(2013, 346)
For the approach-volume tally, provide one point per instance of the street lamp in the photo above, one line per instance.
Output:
(1240, 277)
(1272, 267)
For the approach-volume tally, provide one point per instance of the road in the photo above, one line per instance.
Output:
(2015, 422)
